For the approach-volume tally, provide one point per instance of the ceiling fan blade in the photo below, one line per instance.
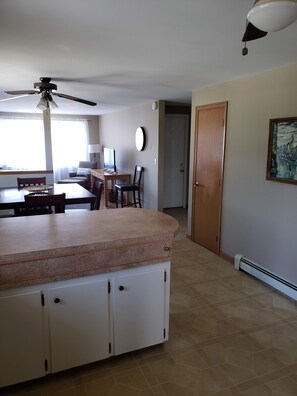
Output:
(15, 97)
(110, 79)
(252, 33)
(25, 92)
(87, 102)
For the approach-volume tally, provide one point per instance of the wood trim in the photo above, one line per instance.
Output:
(28, 172)
(211, 106)
(227, 257)
(223, 255)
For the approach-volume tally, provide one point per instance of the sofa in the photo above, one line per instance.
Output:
(82, 175)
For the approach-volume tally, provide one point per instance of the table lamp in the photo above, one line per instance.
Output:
(94, 149)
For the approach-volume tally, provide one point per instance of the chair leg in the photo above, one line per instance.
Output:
(122, 199)
(139, 201)
(116, 198)
(134, 199)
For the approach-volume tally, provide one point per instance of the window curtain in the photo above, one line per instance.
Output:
(22, 145)
(69, 146)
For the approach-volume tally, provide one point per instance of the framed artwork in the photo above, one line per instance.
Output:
(282, 150)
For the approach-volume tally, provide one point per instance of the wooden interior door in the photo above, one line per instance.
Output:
(208, 175)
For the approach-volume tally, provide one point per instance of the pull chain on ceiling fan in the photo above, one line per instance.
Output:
(46, 88)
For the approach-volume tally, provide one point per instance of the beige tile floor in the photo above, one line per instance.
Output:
(229, 335)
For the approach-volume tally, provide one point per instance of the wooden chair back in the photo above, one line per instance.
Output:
(37, 204)
(134, 187)
(138, 175)
(30, 181)
(97, 190)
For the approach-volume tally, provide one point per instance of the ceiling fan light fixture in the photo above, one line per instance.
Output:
(52, 104)
(46, 101)
(273, 15)
(42, 104)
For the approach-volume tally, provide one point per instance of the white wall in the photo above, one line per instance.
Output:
(117, 131)
(259, 217)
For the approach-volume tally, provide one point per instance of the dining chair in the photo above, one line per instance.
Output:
(97, 191)
(30, 181)
(24, 182)
(135, 186)
(37, 204)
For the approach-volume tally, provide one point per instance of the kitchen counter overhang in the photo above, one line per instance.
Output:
(38, 249)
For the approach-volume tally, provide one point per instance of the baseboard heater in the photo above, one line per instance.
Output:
(285, 287)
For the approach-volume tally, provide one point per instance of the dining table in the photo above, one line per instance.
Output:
(14, 197)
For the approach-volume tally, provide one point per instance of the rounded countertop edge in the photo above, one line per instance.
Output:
(63, 234)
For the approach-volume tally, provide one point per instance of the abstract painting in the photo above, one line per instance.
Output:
(282, 150)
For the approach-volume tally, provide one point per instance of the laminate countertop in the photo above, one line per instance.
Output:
(37, 249)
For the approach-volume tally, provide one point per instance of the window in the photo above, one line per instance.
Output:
(69, 145)
(22, 144)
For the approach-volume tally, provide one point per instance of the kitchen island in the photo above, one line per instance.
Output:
(80, 287)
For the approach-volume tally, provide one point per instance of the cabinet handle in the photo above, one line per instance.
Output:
(121, 288)
(57, 300)
(166, 248)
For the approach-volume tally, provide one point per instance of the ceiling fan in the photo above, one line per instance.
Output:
(47, 90)
(268, 16)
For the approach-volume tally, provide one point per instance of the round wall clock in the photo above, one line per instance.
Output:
(140, 138)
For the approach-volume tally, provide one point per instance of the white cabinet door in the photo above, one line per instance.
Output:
(78, 322)
(139, 309)
(22, 355)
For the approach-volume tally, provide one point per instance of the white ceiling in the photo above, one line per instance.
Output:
(122, 53)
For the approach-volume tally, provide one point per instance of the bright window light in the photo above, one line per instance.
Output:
(22, 144)
(69, 145)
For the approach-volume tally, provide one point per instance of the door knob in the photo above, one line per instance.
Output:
(121, 288)
(196, 184)
(57, 300)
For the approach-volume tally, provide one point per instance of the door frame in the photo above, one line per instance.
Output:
(197, 109)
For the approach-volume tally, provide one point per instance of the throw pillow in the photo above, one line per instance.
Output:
(83, 171)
